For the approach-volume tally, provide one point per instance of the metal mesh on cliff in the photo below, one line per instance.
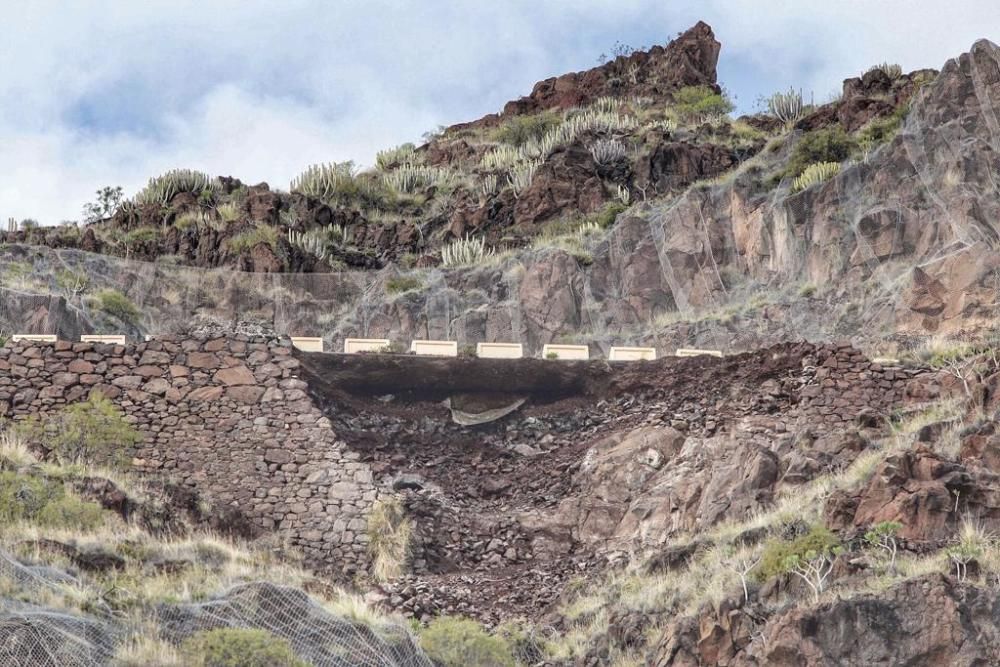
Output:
(34, 636)
(721, 248)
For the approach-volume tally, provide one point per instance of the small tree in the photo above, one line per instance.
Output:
(883, 536)
(107, 202)
(742, 563)
(91, 430)
(813, 567)
(72, 283)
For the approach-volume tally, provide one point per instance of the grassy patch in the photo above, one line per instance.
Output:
(389, 532)
(250, 239)
(825, 145)
(459, 642)
(238, 647)
(401, 284)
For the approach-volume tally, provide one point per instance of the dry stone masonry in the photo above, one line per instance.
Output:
(227, 416)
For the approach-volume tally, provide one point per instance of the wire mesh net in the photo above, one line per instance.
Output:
(32, 635)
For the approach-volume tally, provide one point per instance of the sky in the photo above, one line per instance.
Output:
(112, 93)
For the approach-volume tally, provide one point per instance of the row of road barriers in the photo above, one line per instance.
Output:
(449, 348)
(432, 348)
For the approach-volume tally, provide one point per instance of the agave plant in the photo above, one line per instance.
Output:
(815, 173)
(465, 252)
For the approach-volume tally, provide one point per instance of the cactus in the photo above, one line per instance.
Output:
(317, 242)
(488, 186)
(520, 176)
(162, 189)
(324, 181)
(607, 151)
(394, 157)
(409, 178)
(891, 70)
(815, 173)
(624, 196)
(465, 252)
(786, 107)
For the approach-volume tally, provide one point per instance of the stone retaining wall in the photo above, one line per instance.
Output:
(228, 416)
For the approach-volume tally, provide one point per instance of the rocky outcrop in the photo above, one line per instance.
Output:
(688, 60)
(927, 494)
(930, 621)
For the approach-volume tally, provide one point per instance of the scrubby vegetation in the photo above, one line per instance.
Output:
(92, 431)
(119, 306)
(458, 642)
(238, 647)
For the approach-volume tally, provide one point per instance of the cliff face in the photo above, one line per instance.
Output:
(902, 240)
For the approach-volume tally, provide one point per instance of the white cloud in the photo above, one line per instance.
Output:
(114, 92)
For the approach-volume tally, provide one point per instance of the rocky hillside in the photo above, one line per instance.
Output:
(825, 493)
(644, 216)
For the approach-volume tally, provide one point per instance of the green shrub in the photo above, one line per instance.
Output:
(117, 305)
(695, 104)
(239, 647)
(400, 284)
(91, 430)
(459, 642)
(607, 215)
(826, 145)
(44, 502)
(519, 130)
(251, 238)
(779, 553)
(882, 130)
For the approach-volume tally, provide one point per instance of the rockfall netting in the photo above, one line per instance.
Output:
(34, 634)
(925, 201)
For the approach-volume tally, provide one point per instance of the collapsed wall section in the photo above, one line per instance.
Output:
(229, 417)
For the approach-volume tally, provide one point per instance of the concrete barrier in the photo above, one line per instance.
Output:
(632, 354)
(886, 361)
(435, 348)
(37, 338)
(571, 352)
(689, 352)
(112, 340)
(499, 350)
(307, 344)
(355, 345)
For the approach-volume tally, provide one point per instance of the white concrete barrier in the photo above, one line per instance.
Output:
(690, 352)
(632, 354)
(435, 348)
(499, 350)
(886, 361)
(355, 345)
(572, 352)
(111, 340)
(37, 338)
(307, 344)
